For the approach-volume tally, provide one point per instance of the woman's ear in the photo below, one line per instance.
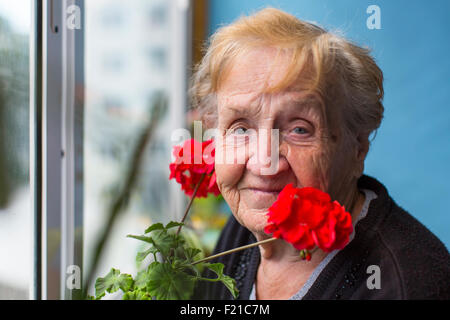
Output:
(361, 152)
(363, 146)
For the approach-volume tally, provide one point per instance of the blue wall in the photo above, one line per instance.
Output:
(410, 153)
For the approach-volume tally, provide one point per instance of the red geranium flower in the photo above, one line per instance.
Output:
(306, 217)
(192, 160)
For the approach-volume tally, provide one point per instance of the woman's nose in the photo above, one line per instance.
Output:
(264, 158)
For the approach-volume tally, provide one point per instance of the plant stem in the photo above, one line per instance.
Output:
(191, 201)
(224, 253)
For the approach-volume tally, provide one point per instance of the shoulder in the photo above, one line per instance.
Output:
(421, 259)
(412, 255)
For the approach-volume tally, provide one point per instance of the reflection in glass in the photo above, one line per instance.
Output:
(15, 213)
(126, 47)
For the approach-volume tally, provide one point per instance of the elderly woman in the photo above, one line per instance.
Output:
(323, 96)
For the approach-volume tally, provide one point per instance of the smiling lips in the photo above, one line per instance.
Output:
(259, 198)
(264, 187)
(265, 191)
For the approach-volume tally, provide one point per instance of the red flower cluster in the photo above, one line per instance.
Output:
(306, 217)
(192, 160)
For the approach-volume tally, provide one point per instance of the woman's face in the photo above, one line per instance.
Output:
(304, 153)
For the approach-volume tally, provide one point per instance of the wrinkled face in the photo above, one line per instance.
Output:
(274, 139)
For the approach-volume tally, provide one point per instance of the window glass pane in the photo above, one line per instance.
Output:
(126, 67)
(15, 211)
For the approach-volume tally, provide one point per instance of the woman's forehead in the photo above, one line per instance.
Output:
(254, 70)
(236, 101)
(249, 82)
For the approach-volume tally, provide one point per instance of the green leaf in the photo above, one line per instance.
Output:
(136, 295)
(142, 255)
(191, 253)
(167, 283)
(142, 238)
(153, 227)
(164, 242)
(112, 282)
(141, 280)
(173, 224)
(229, 282)
(216, 268)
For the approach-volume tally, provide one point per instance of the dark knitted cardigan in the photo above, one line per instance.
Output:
(414, 263)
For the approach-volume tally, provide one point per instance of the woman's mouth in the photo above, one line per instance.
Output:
(257, 198)
(264, 191)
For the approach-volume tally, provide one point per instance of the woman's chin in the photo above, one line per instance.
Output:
(254, 220)
(253, 209)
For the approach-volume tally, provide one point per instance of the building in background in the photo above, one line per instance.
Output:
(127, 47)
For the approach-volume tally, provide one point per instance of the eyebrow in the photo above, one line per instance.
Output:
(239, 109)
(304, 103)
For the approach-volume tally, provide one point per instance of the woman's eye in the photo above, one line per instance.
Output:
(300, 130)
(240, 131)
